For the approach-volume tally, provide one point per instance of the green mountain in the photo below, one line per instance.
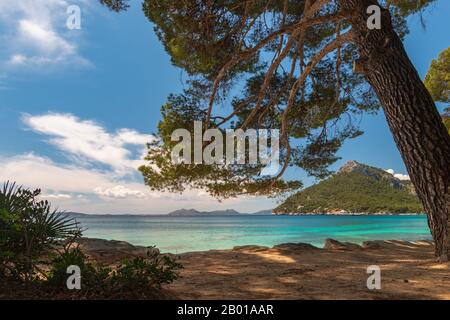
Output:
(355, 188)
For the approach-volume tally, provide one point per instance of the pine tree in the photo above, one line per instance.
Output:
(308, 67)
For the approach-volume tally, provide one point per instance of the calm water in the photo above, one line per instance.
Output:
(182, 234)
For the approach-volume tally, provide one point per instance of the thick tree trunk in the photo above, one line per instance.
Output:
(411, 114)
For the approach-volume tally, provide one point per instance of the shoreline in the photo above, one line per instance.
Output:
(377, 214)
(335, 214)
(299, 270)
(94, 244)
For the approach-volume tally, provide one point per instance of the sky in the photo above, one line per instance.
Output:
(77, 106)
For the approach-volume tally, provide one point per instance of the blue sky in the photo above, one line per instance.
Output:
(76, 106)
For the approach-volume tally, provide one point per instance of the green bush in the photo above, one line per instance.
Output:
(94, 278)
(29, 230)
(141, 277)
(153, 271)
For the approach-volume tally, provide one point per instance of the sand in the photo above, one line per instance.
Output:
(300, 271)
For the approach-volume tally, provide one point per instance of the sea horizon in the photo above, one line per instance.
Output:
(74, 214)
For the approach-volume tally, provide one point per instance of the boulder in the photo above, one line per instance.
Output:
(295, 246)
(250, 248)
(375, 244)
(331, 244)
(386, 244)
(110, 251)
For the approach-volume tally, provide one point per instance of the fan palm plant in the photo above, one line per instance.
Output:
(29, 229)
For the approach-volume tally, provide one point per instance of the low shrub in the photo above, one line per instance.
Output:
(140, 277)
(152, 271)
(29, 230)
(94, 278)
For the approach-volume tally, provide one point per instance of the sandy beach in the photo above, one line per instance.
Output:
(300, 271)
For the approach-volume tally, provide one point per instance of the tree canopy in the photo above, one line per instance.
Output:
(262, 64)
(437, 81)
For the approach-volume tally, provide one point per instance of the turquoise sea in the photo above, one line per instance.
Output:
(183, 234)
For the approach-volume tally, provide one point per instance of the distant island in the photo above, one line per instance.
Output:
(227, 212)
(193, 212)
(355, 189)
(182, 213)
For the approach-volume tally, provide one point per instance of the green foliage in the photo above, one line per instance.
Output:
(116, 5)
(437, 79)
(196, 34)
(220, 180)
(355, 193)
(243, 69)
(152, 271)
(134, 278)
(437, 82)
(94, 278)
(29, 229)
(408, 7)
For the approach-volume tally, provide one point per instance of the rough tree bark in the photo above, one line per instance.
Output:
(411, 114)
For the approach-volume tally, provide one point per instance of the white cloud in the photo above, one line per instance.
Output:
(37, 172)
(400, 176)
(18, 59)
(44, 38)
(56, 179)
(129, 136)
(57, 196)
(403, 177)
(90, 142)
(34, 34)
(119, 191)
